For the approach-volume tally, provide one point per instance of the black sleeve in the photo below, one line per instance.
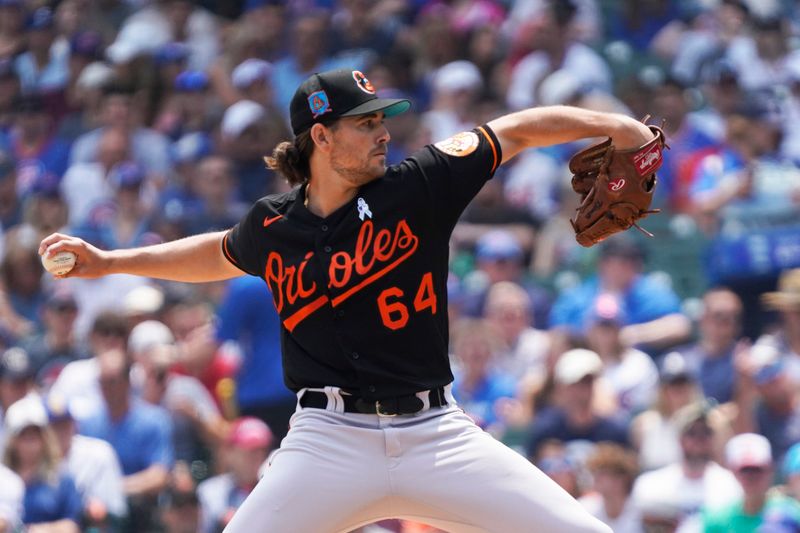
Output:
(455, 169)
(239, 245)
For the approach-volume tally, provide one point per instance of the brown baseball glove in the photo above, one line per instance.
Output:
(616, 187)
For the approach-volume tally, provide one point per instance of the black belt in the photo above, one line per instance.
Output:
(393, 406)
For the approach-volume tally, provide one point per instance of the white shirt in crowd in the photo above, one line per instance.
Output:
(94, 466)
(12, 492)
(669, 488)
(629, 520)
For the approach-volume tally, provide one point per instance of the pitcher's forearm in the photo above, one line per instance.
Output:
(193, 259)
(197, 259)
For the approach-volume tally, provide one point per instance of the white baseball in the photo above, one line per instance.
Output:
(59, 264)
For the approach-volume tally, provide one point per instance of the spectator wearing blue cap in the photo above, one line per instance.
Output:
(123, 220)
(85, 47)
(252, 79)
(186, 109)
(43, 67)
(93, 465)
(44, 208)
(499, 256)
(655, 320)
(32, 142)
(56, 345)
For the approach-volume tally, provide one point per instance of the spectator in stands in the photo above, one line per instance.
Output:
(51, 499)
(85, 100)
(247, 134)
(44, 208)
(480, 385)
(500, 256)
(86, 184)
(93, 465)
(652, 308)
(198, 427)
(140, 433)
(12, 24)
(21, 272)
(118, 111)
(786, 301)
(260, 391)
(555, 460)
(613, 470)
(78, 382)
(188, 109)
(252, 79)
(42, 67)
(630, 373)
(767, 401)
(16, 381)
(33, 144)
(711, 357)
(180, 510)
(454, 100)
(246, 449)
(214, 186)
(574, 416)
(55, 346)
(555, 48)
(11, 500)
(671, 103)
(749, 456)
(524, 348)
(681, 489)
(10, 203)
(123, 220)
(653, 432)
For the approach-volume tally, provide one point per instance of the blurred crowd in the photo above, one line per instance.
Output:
(655, 379)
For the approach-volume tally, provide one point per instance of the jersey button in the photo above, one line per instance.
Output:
(328, 249)
(355, 355)
(372, 388)
(324, 227)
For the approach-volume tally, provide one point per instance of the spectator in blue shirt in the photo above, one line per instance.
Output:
(479, 384)
(652, 308)
(243, 318)
(141, 434)
(51, 500)
(711, 358)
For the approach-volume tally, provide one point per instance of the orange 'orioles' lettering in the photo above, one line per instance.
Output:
(374, 256)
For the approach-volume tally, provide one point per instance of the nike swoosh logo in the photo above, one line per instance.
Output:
(270, 220)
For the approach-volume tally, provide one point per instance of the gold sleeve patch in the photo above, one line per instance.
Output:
(459, 145)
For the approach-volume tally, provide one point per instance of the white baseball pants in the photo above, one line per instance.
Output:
(336, 471)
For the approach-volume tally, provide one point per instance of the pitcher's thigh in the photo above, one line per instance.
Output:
(314, 484)
(474, 479)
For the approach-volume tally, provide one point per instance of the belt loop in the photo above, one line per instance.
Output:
(300, 395)
(335, 401)
(448, 394)
(425, 396)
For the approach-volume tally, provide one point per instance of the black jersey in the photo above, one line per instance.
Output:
(362, 293)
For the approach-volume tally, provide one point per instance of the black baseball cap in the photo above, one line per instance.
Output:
(329, 95)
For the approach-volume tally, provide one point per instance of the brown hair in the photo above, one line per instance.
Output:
(614, 458)
(50, 461)
(292, 159)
